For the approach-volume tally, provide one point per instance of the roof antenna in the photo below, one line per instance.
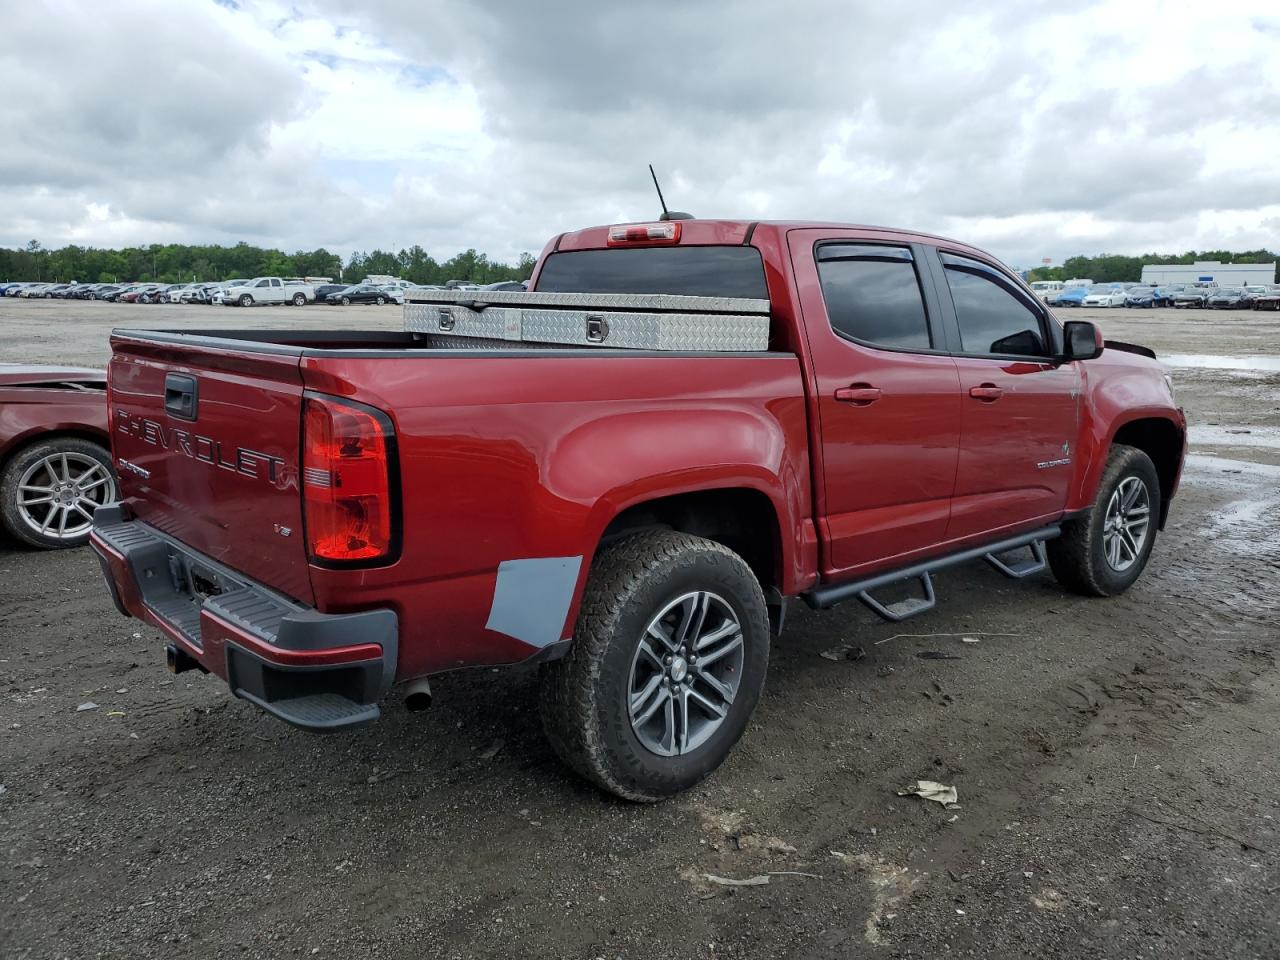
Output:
(667, 214)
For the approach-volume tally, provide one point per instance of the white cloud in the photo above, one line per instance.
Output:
(1061, 128)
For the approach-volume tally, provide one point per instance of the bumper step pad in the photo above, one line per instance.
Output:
(317, 671)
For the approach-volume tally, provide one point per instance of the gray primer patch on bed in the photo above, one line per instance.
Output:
(531, 598)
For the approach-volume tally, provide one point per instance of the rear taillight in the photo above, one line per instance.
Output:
(644, 234)
(347, 462)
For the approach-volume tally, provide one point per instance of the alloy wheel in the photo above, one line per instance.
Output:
(58, 494)
(685, 674)
(1127, 523)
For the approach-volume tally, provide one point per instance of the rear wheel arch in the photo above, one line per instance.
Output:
(743, 519)
(46, 435)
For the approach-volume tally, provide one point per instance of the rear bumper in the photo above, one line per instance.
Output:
(320, 672)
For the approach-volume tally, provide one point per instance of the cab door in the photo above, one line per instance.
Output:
(887, 398)
(1020, 406)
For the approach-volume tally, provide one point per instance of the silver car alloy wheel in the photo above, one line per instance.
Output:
(58, 494)
(1127, 523)
(685, 674)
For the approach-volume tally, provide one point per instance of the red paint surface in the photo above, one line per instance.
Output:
(33, 406)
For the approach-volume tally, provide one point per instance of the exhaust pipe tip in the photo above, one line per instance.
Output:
(417, 697)
(179, 661)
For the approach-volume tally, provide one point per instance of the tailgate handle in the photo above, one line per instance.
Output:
(181, 395)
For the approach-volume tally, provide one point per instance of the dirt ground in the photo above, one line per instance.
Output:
(1116, 762)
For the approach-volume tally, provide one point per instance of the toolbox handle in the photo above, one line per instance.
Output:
(597, 329)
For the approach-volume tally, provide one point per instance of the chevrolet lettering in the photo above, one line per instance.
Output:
(249, 463)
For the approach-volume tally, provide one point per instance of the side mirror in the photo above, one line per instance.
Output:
(1082, 340)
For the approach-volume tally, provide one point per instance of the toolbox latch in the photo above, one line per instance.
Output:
(597, 329)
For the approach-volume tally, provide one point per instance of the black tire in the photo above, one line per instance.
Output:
(1078, 557)
(245, 300)
(346, 301)
(11, 514)
(381, 301)
(299, 299)
(584, 696)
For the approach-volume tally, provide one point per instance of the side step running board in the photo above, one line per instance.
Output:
(1017, 571)
(895, 612)
(825, 597)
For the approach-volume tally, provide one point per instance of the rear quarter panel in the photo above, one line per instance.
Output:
(30, 414)
(507, 458)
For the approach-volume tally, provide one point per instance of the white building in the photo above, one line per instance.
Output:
(1209, 271)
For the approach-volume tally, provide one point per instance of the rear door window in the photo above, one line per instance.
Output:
(714, 271)
(872, 294)
(993, 317)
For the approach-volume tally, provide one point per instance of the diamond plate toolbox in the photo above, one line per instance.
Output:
(620, 321)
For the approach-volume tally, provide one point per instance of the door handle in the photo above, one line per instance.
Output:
(986, 392)
(859, 394)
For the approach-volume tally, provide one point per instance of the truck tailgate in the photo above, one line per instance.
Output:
(206, 441)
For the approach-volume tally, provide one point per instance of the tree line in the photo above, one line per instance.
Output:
(183, 263)
(1107, 267)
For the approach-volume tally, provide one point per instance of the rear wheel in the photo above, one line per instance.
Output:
(668, 661)
(299, 299)
(1102, 554)
(50, 491)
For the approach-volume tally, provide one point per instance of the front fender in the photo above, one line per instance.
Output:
(1118, 389)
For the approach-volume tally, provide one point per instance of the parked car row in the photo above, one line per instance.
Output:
(1254, 297)
(239, 292)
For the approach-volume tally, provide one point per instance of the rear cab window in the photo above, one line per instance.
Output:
(695, 271)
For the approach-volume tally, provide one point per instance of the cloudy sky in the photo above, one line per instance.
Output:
(1039, 129)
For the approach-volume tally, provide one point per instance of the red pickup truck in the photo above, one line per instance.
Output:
(316, 516)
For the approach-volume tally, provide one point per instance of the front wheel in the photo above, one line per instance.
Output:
(1103, 553)
(245, 300)
(667, 664)
(381, 301)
